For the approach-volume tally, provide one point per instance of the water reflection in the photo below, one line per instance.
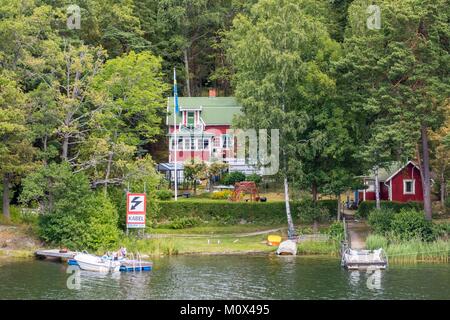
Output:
(228, 277)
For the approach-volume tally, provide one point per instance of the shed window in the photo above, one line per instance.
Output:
(409, 186)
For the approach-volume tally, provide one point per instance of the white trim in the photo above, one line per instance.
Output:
(399, 170)
(413, 184)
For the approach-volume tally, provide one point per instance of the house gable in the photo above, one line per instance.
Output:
(406, 184)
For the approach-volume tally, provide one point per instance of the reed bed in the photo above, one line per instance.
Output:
(155, 247)
(312, 247)
(413, 251)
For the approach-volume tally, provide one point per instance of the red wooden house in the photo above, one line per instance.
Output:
(400, 183)
(202, 124)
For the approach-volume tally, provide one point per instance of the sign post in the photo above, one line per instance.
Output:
(136, 210)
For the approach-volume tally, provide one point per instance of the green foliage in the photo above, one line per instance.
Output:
(226, 212)
(318, 247)
(380, 220)
(366, 207)
(151, 246)
(322, 211)
(233, 177)
(73, 215)
(92, 226)
(411, 251)
(221, 195)
(181, 223)
(411, 224)
(336, 231)
(164, 194)
(376, 241)
(447, 203)
(256, 178)
(406, 225)
(194, 170)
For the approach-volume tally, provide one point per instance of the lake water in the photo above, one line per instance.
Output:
(227, 277)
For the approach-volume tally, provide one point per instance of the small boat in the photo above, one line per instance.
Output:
(288, 247)
(91, 262)
(364, 259)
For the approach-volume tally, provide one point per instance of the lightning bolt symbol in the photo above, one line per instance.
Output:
(135, 203)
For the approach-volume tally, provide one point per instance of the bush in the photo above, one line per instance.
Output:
(96, 228)
(366, 207)
(223, 212)
(255, 178)
(226, 212)
(221, 195)
(380, 220)
(182, 223)
(336, 231)
(321, 211)
(376, 241)
(232, 178)
(411, 224)
(164, 194)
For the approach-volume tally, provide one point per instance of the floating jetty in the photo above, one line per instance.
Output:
(364, 259)
(357, 259)
(55, 254)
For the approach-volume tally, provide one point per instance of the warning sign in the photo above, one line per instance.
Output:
(136, 210)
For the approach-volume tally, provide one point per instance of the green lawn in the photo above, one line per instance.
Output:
(216, 229)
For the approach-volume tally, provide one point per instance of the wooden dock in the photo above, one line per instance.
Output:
(55, 254)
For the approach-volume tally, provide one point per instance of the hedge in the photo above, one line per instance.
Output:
(366, 207)
(222, 211)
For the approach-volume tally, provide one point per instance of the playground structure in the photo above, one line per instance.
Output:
(245, 187)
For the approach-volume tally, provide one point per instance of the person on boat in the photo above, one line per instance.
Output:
(123, 252)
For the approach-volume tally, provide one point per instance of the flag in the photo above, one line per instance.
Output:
(175, 91)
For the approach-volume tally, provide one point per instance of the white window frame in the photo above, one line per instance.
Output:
(413, 185)
(371, 185)
(229, 139)
(172, 144)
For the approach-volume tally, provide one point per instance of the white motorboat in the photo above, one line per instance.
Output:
(288, 247)
(91, 262)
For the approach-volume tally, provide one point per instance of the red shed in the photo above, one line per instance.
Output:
(400, 183)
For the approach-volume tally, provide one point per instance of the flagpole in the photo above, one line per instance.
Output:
(175, 132)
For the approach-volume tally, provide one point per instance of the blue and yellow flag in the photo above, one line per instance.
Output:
(175, 91)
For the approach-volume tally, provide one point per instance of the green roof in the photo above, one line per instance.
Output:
(384, 173)
(387, 172)
(215, 111)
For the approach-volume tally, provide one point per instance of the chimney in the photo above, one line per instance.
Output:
(212, 93)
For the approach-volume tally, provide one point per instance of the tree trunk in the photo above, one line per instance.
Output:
(377, 189)
(426, 184)
(44, 142)
(186, 66)
(443, 193)
(291, 230)
(65, 148)
(339, 207)
(314, 192)
(6, 212)
(108, 171)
